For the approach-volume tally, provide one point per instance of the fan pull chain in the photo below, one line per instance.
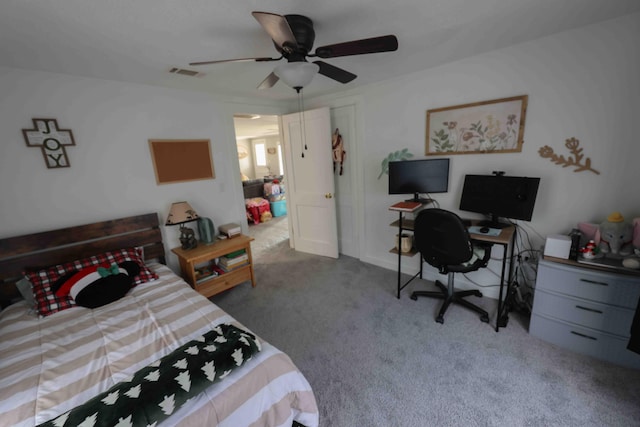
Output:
(304, 122)
(303, 132)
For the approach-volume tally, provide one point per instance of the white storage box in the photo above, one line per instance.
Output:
(558, 245)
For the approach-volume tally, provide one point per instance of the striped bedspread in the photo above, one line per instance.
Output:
(50, 365)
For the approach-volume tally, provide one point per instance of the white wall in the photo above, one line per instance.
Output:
(582, 83)
(111, 173)
(246, 164)
(272, 159)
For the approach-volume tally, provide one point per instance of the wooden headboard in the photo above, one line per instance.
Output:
(71, 243)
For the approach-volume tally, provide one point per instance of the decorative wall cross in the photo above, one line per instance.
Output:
(51, 141)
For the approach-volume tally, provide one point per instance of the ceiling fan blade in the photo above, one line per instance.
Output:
(358, 47)
(269, 81)
(335, 73)
(236, 60)
(278, 29)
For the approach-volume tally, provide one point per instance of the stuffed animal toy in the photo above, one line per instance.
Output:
(265, 216)
(97, 285)
(616, 235)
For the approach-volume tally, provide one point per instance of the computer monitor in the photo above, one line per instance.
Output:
(499, 196)
(419, 176)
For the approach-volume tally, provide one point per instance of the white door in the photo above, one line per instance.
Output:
(343, 119)
(309, 182)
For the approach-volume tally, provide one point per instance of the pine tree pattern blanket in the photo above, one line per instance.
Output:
(51, 365)
(158, 390)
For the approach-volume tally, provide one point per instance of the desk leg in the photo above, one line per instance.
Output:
(500, 320)
(419, 273)
(503, 318)
(399, 253)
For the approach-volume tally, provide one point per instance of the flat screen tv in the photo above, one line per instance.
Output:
(419, 176)
(499, 196)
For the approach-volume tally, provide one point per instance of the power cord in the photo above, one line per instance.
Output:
(517, 298)
(521, 289)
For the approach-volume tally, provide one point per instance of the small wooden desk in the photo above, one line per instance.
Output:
(402, 224)
(505, 238)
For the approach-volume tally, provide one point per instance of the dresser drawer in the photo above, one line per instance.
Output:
(591, 314)
(583, 340)
(608, 288)
(224, 281)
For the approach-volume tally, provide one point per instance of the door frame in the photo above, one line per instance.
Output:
(355, 151)
(311, 199)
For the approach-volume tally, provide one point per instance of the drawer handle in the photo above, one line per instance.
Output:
(584, 336)
(594, 282)
(589, 309)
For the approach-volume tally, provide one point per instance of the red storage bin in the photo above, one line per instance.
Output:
(255, 208)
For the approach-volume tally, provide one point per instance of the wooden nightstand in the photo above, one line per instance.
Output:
(206, 255)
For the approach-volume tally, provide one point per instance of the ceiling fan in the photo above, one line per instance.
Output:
(293, 37)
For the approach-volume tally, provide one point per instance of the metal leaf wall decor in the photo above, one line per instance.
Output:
(576, 159)
(392, 157)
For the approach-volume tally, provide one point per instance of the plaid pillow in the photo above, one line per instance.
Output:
(48, 303)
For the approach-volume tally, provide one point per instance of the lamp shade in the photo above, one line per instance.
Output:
(296, 74)
(180, 213)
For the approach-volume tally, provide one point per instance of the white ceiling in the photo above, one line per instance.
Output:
(139, 41)
(256, 126)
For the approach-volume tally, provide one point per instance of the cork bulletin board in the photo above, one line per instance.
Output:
(181, 160)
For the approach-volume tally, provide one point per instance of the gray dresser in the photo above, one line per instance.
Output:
(586, 310)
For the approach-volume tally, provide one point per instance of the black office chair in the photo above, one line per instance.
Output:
(444, 242)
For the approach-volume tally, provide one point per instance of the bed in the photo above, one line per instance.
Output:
(54, 367)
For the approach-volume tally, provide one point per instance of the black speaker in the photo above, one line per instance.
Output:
(576, 236)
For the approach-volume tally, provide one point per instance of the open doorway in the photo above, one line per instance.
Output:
(261, 162)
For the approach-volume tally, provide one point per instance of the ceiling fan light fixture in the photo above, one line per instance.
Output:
(296, 74)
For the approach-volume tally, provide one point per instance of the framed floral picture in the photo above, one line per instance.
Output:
(486, 127)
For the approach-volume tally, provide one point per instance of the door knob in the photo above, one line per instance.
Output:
(328, 195)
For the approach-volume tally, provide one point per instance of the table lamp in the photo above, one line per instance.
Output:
(179, 214)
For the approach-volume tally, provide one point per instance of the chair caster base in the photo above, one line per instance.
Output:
(414, 297)
(484, 319)
(440, 319)
(502, 321)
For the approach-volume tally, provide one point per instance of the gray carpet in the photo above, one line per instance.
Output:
(268, 234)
(374, 360)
